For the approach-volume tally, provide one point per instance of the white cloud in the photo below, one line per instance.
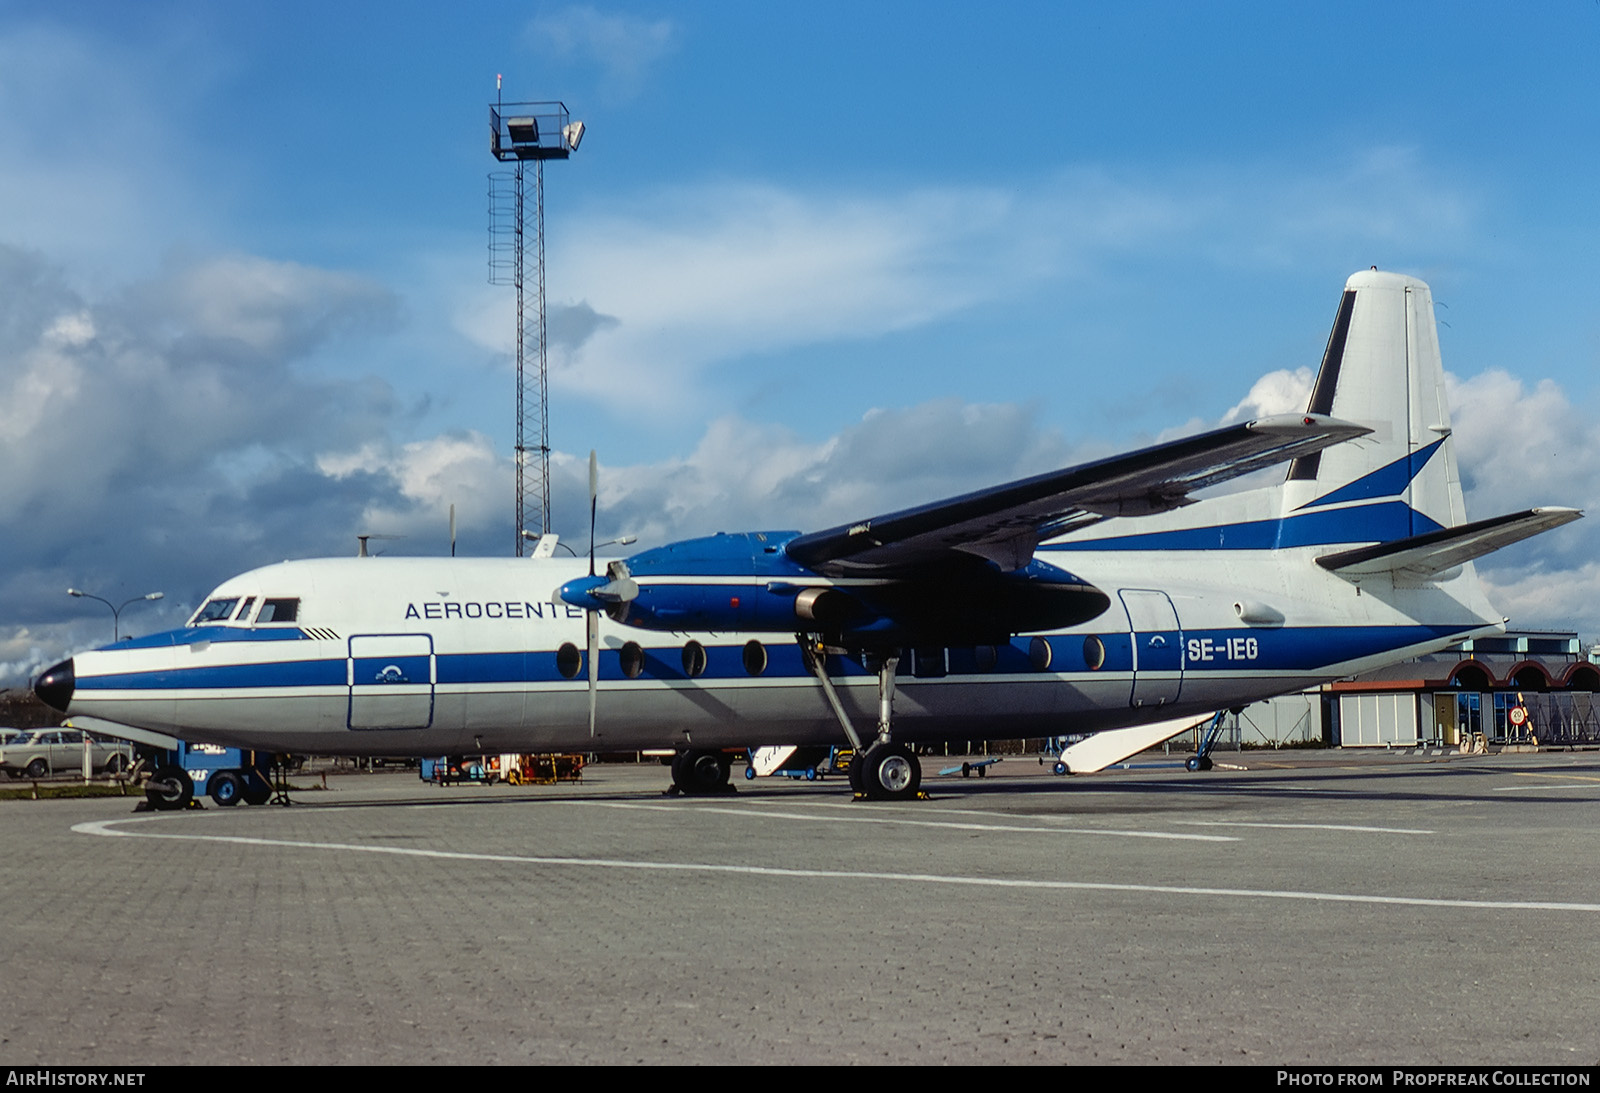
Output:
(1285, 391)
(623, 46)
(460, 469)
(699, 277)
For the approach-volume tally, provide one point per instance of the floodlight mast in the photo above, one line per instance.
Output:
(523, 133)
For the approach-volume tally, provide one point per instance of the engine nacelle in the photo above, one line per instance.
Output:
(746, 583)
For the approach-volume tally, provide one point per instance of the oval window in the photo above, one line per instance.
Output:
(1039, 654)
(569, 661)
(1094, 653)
(694, 659)
(631, 658)
(755, 657)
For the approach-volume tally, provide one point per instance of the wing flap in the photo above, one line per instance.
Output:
(1423, 556)
(1006, 522)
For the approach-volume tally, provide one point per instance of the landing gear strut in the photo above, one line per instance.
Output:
(883, 771)
(1201, 759)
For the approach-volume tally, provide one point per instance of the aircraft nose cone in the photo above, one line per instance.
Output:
(55, 686)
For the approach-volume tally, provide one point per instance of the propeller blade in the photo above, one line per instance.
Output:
(593, 618)
(594, 492)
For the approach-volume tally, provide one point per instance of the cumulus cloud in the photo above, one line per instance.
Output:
(1284, 391)
(167, 434)
(748, 476)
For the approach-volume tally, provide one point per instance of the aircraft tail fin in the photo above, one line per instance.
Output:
(1382, 369)
(1398, 484)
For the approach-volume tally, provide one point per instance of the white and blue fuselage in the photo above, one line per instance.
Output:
(1093, 598)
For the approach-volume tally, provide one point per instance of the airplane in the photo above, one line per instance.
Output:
(1101, 598)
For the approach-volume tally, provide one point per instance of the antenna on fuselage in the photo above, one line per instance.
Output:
(452, 531)
(361, 550)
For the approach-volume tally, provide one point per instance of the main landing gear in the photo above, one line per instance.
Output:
(884, 770)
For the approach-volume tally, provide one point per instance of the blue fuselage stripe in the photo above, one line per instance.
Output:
(1361, 524)
(1290, 649)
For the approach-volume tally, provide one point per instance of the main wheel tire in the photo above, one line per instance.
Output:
(257, 790)
(699, 772)
(38, 768)
(116, 764)
(226, 789)
(891, 773)
(169, 789)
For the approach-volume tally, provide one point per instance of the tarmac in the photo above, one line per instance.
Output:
(1308, 909)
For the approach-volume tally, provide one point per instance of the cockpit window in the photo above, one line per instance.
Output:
(215, 611)
(244, 610)
(285, 610)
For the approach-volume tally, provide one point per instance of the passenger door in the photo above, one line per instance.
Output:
(391, 679)
(1157, 647)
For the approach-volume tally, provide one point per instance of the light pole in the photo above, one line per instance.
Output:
(116, 609)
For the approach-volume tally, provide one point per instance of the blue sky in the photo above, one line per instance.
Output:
(828, 258)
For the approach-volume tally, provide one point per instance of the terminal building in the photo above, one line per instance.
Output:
(1444, 699)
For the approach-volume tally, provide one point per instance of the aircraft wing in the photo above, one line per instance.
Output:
(1005, 523)
(1422, 556)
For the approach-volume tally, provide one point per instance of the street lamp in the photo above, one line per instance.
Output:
(116, 609)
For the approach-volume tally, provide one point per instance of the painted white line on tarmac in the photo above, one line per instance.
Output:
(1309, 827)
(112, 828)
(767, 814)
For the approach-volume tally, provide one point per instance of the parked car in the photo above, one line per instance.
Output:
(38, 752)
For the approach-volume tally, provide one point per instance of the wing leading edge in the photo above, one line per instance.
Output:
(1005, 523)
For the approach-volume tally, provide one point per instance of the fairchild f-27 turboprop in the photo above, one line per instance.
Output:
(1102, 598)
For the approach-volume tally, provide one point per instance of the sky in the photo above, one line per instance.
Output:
(810, 263)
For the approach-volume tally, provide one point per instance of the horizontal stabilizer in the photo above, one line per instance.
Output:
(1423, 556)
(123, 732)
(1114, 745)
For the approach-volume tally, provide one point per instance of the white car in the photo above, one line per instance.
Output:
(38, 752)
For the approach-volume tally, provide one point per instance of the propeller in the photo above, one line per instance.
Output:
(591, 619)
(610, 593)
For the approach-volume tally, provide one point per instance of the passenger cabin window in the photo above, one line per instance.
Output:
(569, 661)
(279, 610)
(632, 659)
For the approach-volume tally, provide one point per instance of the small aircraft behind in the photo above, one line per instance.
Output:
(1100, 598)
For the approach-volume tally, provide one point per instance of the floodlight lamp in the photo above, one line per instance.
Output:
(572, 135)
(523, 130)
(74, 592)
(155, 596)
